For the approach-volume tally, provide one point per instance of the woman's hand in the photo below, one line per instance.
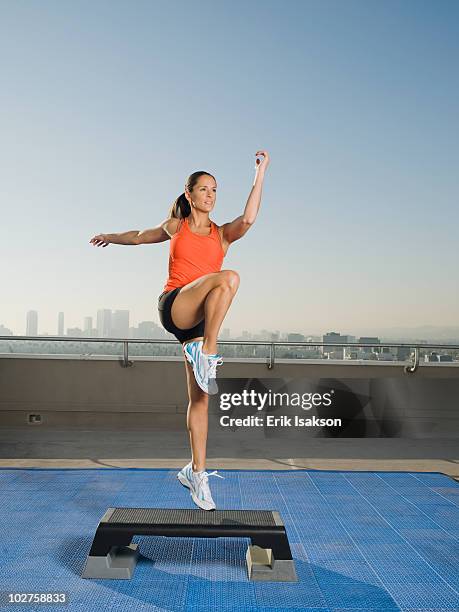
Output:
(262, 164)
(100, 240)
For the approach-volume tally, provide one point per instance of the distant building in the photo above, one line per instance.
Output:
(369, 340)
(104, 323)
(331, 352)
(87, 327)
(74, 332)
(60, 324)
(436, 357)
(264, 334)
(366, 352)
(385, 353)
(32, 323)
(402, 352)
(120, 324)
(148, 329)
(293, 337)
(4, 331)
(350, 353)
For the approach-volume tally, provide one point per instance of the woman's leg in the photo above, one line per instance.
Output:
(216, 306)
(206, 297)
(197, 420)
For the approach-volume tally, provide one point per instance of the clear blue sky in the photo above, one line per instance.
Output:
(107, 107)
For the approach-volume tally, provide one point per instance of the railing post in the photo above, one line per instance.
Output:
(270, 362)
(125, 363)
(414, 367)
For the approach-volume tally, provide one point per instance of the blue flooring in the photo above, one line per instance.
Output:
(362, 541)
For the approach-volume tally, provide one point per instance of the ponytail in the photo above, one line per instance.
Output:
(180, 208)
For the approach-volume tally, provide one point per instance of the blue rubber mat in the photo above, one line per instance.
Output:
(361, 541)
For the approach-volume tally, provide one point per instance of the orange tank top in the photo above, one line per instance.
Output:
(193, 255)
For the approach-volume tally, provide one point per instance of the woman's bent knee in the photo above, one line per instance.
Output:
(230, 278)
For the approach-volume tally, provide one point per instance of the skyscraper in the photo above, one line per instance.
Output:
(32, 323)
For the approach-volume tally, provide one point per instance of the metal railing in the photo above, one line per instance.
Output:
(125, 362)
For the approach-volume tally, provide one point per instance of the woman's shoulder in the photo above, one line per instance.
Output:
(219, 228)
(172, 225)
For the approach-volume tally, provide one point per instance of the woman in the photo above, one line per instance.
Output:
(196, 298)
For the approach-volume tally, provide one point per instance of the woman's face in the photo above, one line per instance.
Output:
(203, 194)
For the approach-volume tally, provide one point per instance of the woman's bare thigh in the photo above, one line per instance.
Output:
(188, 307)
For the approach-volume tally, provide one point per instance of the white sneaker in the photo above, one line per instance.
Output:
(184, 475)
(214, 361)
(199, 490)
(200, 364)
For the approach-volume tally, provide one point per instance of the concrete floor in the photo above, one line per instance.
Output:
(448, 467)
(72, 448)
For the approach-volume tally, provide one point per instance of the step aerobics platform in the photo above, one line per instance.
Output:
(112, 554)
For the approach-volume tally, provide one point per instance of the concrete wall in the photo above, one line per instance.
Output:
(98, 395)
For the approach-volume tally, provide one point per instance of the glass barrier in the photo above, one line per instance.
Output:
(237, 349)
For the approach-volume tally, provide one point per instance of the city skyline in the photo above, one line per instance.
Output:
(119, 325)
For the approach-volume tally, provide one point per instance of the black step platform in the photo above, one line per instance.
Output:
(112, 554)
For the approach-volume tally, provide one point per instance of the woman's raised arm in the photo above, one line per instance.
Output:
(236, 229)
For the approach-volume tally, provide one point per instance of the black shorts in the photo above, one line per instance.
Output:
(165, 301)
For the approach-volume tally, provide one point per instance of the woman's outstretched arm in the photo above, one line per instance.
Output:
(160, 233)
(238, 228)
(106, 239)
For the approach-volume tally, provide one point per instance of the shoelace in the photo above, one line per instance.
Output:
(213, 363)
(203, 484)
(205, 476)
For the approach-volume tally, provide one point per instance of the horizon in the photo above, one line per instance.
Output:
(379, 332)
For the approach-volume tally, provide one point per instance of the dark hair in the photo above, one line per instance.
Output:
(181, 207)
